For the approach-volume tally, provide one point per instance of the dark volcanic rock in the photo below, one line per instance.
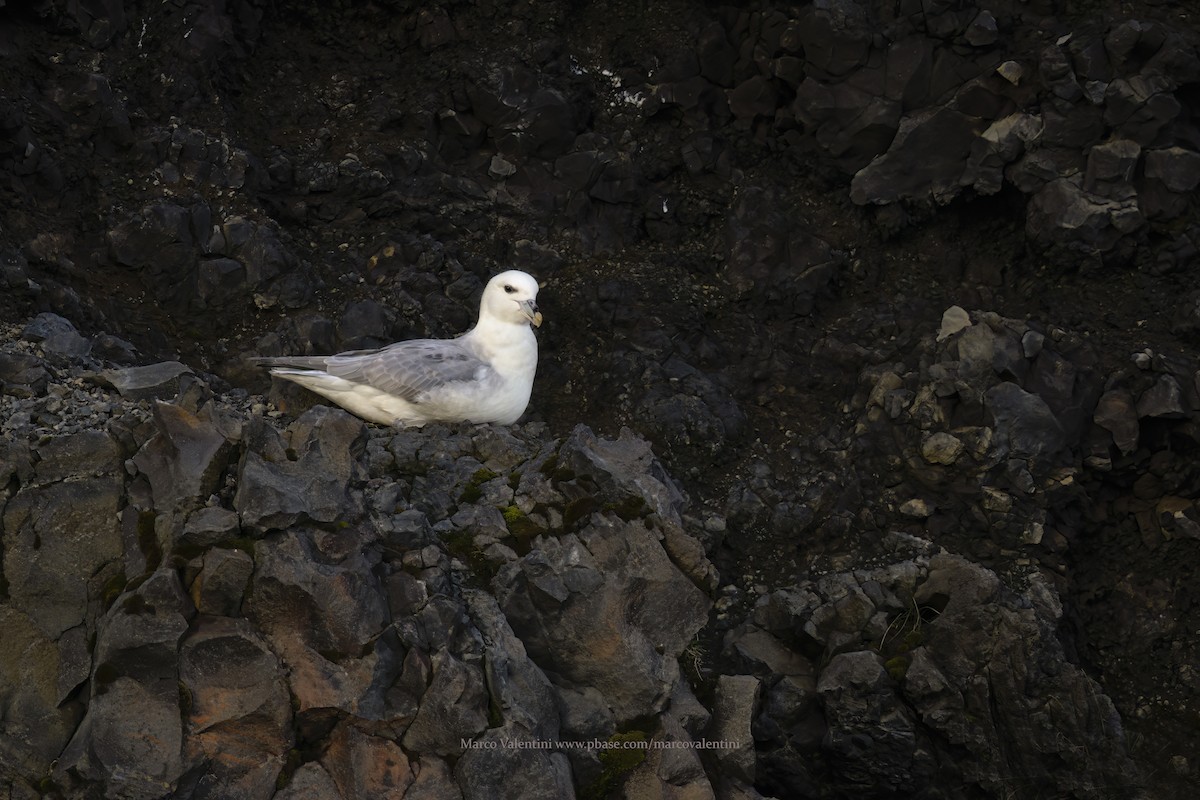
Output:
(131, 739)
(303, 476)
(582, 625)
(925, 162)
(62, 541)
(1026, 426)
(1065, 217)
(56, 335)
(875, 552)
(153, 382)
(238, 709)
(891, 714)
(183, 463)
(861, 707)
(773, 261)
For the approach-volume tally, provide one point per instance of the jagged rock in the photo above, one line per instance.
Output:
(972, 597)
(754, 97)
(691, 411)
(672, 766)
(1176, 167)
(13, 264)
(1115, 412)
(131, 739)
(264, 257)
(1171, 174)
(737, 698)
(16, 462)
(490, 769)
(942, 448)
(1090, 58)
(1064, 215)
(1163, 399)
(898, 676)
(767, 654)
(159, 239)
(221, 584)
(617, 183)
(301, 475)
(453, 708)
(1032, 343)
(850, 124)
(1062, 384)
(925, 161)
(363, 765)
(1025, 425)
(208, 526)
(834, 37)
(872, 739)
(1178, 516)
(219, 281)
(501, 168)
(979, 349)
(37, 723)
(62, 543)
(310, 781)
(605, 608)
(1110, 168)
(184, 460)
(238, 713)
(22, 375)
(154, 382)
(320, 606)
(56, 335)
(1058, 77)
(365, 324)
(917, 508)
(434, 781)
(954, 319)
(85, 454)
(1004, 141)
(521, 690)
(1035, 169)
(1011, 71)
(622, 468)
(1138, 108)
(524, 118)
(983, 31)
(113, 349)
(693, 94)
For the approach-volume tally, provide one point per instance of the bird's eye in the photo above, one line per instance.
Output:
(508, 288)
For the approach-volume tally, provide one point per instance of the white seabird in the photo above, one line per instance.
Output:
(484, 375)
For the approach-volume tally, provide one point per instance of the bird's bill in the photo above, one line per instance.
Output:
(531, 312)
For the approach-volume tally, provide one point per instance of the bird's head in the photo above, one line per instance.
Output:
(511, 297)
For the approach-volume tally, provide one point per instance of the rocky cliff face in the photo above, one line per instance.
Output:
(861, 461)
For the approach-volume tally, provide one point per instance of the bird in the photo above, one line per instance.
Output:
(484, 375)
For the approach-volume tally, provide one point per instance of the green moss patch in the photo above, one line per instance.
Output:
(617, 762)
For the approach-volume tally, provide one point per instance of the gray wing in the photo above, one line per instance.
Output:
(410, 369)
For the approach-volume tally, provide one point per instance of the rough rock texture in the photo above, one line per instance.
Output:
(861, 450)
(331, 616)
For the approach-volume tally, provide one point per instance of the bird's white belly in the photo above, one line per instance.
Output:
(501, 402)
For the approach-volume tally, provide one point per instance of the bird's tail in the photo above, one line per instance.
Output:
(302, 362)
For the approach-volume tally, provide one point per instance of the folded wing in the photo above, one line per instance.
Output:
(410, 370)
